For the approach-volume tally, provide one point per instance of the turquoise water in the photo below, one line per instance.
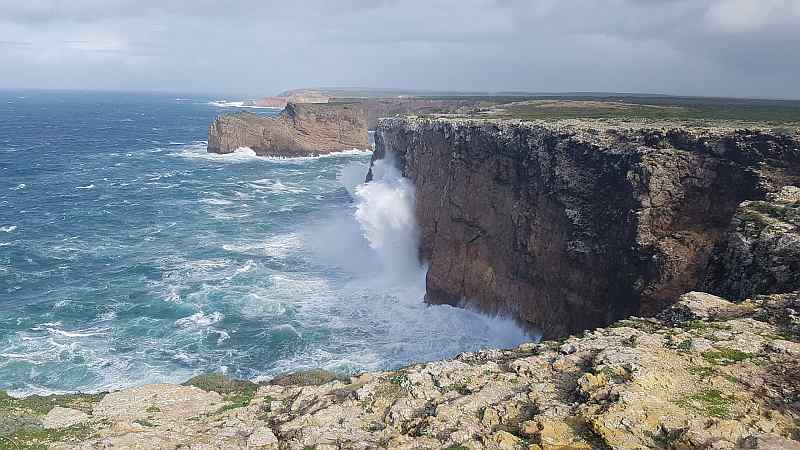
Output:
(129, 255)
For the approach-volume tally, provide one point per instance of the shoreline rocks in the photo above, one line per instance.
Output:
(729, 382)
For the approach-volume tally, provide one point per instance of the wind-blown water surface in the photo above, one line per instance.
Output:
(130, 255)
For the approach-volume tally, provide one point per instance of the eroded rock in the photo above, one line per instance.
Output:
(639, 384)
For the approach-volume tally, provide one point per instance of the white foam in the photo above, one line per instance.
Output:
(8, 228)
(198, 150)
(239, 104)
(276, 186)
(385, 210)
(215, 201)
(337, 154)
(91, 186)
(280, 245)
(19, 186)
(76, 334)
(200, 319)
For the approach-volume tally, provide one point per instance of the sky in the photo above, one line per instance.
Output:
(740, 48)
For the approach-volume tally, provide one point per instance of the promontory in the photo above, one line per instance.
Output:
(301, 129)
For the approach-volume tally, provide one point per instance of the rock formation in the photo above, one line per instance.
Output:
(760, 254)
(572, 224)
(300, 130)
(706, 374)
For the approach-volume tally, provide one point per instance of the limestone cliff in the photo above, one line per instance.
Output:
(571, 224)
(301, 129)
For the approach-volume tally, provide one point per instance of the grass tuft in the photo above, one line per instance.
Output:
(725, 356)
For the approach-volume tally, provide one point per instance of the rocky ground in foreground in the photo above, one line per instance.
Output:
(706, 373)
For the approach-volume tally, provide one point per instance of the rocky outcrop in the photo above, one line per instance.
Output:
(300, 130)
(571, 224)
(711, 374)
(760, 254)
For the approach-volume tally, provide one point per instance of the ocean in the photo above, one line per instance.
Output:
(130, 255)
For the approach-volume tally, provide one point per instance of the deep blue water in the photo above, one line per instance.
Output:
(130, 255)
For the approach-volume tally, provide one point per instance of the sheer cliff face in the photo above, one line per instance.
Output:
(301, 129)
(571, 224)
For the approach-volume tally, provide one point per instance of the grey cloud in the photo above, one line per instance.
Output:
(700, 47)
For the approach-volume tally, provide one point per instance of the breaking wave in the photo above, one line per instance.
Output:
(181, 261)
(239, 104)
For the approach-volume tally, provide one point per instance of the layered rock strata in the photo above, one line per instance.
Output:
(571, 224)
(300, 130)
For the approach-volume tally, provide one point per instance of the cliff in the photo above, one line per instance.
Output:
(623, 214)
(572, 224)
(300, 130)
(760, 253)
(706, 374)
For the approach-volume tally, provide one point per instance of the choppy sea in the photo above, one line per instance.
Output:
(129, 255)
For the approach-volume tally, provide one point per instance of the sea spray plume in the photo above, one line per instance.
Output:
(385, 212)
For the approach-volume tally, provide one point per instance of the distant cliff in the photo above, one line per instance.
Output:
(572, 224)
(301, 129)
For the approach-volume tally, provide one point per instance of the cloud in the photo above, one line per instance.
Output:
(710, 47)
(736, 16)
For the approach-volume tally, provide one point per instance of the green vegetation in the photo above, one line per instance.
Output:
(36, 437)
(713, 402)
(20, 420)
(314, 377)
(400, 379)
(702, 372)
(685, 345)
(145, 423)
(638, 324)
(40, 405)
(456, 447)
(620, 375)
(700, 325)
(460, 387)
(725, 356)
(237, 393)
(777, 112)
(153, 409)
(666, 439)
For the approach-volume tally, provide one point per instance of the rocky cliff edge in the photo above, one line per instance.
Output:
(572, 224)
(706, 373)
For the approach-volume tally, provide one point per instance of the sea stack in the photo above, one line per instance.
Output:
(302, 129)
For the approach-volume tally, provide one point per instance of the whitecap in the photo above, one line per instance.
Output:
(198, 150)
(91, 186)
(215, 201)
(76, 334)
(276, 246)
(200, 319)
(19, 186)
(240, 104)
(277, 187)
(8, 228)
(336, 154)
(108, 315)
